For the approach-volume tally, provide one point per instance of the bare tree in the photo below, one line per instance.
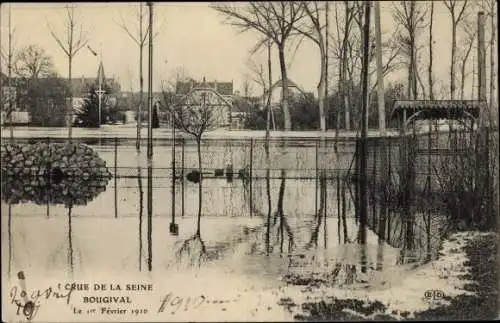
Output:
(390, 52)
(490, 7)
(33, 62)
(247, 87)
(343, 47)
(431, 54)
(457, 14)
(257, 76)
(470, 32)
(74, 40)
(195, 114)
(348, 53)
(313, 28)
(10, 62)
(410, 16)
(141, 40)
(275, 21)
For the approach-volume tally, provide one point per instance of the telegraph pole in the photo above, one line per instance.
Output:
(380, 77)
(11, 110)
(481, 64)
(150, 83)
(364, 133)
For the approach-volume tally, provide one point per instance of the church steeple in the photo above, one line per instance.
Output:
(100, 74)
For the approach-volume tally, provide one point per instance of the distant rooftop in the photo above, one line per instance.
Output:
(223, 88)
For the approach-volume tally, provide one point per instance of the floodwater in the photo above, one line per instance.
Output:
(115, 233)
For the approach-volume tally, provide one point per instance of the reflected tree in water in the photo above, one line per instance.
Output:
(43, 190)
(9, 230)
(141, 210)
(197, 112)
(70, 239)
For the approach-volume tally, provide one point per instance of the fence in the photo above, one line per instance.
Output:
(428, 184)
(409, 179)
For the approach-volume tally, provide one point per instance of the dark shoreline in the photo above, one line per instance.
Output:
(481, 251)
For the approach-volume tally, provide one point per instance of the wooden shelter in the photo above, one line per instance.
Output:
(408, 112)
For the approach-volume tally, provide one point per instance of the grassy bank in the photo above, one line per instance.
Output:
(482, 253)
(479, 299)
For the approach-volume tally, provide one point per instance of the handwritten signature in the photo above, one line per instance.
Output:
(174, 303)
(29, 302)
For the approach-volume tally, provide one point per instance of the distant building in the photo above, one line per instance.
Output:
(82, 85)
(221, 97)
(9, 96)
(80, 88)
(293, 90)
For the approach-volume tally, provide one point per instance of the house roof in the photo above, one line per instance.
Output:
(223, 88)
(438, 109)
(291, 84)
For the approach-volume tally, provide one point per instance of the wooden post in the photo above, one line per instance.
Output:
(251, 176)
(373, 186)
(316, 182)
(172, 224)
(325, 208)
(485, 116)
(182, 177)
(115, 181)
(338, 206)
(11, 129)
(150, 217)
(364, 132)
(49, 177)
(150, 84)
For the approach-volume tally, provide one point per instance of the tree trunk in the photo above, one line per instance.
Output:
(431, 57)
(421, 83)
(493, 117)
(11, 127)
(326, 105)
(338, 102)
(321, 93)
(198, 225)
(453, 51)
(266, 147)
(141, 98)
(70, 105)
(462, 71)
(284, 89)
(141, 84)
(287, 127)
(345, 91)
(415, 71)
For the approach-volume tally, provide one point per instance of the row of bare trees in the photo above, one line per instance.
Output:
(281, 23)
(404, 47)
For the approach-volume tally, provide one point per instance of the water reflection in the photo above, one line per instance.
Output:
(70, 241)
(9, 232)
(285, 225)
(141, 207)
(42, 190)
(150, 216)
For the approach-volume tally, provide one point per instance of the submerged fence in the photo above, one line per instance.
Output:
(429, 184)
(415, 178)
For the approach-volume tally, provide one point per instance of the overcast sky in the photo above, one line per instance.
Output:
(191, 35)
